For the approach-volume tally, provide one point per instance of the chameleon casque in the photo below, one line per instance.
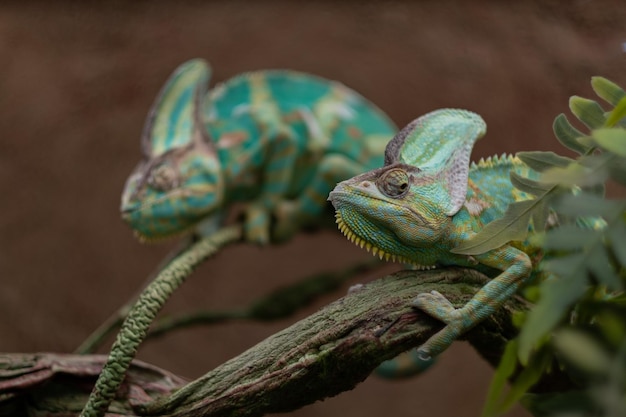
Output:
(425, 201)
(276, 140)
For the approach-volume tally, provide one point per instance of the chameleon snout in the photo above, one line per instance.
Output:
(332, 196)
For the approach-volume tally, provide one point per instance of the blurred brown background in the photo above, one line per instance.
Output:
(78, 78)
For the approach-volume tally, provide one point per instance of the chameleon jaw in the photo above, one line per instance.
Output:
(376, 251)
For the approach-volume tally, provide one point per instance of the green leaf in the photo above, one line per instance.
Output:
(587, 111)
(617, 114)
(616, 235)
(612, 326)
(568, 134)
(541, 161)
(540, 217)
(567, 266)
(599, 264)
(619, 300)
(617, 170)
(512, 226)
(588, 171)
(582, 350)
(527, 185)
(498, 383)
(557, 295)
(574, 403)
(611, 139)
(585, 205)
(568, 237)
(607, 90)
(526, 379)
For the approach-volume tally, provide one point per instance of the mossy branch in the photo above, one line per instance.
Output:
(334, 349)
(320, 356)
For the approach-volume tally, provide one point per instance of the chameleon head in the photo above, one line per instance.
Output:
(169, 195)
(179, 182)
(405, 209)
(390, 211)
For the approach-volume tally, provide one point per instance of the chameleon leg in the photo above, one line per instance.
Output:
(277, 175)
(516, 267)
(291, 214)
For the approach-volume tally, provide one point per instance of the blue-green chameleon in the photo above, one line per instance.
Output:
(276, 141)
(426, 201)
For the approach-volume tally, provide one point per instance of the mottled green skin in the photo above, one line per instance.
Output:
(426, 201)
(277, 141)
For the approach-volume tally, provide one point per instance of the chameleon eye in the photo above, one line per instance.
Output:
(394, 183)
(162, 178)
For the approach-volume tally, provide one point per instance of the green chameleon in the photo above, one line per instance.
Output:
(276, 141)
(427, 200)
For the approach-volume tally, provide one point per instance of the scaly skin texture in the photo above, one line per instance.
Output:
(425, 201)
(277, 141)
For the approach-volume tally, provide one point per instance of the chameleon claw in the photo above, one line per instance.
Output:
(436, 305)
(423, 354)
(355, 288)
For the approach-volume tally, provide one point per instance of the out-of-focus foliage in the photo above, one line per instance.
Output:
(578, 324)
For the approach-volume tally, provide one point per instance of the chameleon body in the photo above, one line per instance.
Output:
(277, 141)
(425, 201)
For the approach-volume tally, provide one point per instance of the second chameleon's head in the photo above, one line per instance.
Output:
(178, 183)
(171, 194)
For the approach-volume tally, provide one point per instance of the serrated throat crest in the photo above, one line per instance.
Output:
(376, 251)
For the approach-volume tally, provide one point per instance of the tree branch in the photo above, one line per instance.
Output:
(332, 350)
(323, 355)
(59, 384)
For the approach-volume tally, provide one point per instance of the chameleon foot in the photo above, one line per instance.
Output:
(436, 305)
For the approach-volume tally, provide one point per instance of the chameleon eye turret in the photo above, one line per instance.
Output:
(394, 183)
(163, 178)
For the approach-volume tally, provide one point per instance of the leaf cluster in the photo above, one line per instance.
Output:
(579, 321)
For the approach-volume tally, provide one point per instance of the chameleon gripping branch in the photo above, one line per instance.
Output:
(426, 202)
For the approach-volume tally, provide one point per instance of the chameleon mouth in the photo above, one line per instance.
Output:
(375, 250)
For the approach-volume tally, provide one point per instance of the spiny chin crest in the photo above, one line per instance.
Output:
(357, 240)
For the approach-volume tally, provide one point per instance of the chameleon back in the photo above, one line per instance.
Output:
(326, 115)
(490, 190)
